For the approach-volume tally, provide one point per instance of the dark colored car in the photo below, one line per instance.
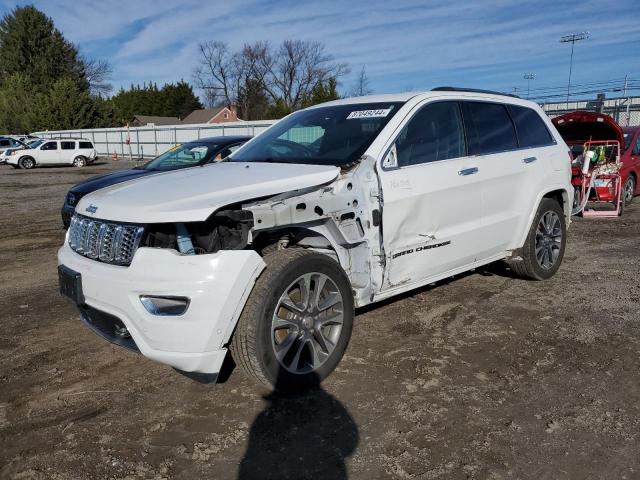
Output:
(191, 154)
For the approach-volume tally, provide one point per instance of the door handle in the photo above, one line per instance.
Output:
(468, 171)
(529, 159)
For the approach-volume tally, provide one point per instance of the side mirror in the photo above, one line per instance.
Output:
(391, 160)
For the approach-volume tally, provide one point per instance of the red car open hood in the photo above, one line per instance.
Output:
(578, 127)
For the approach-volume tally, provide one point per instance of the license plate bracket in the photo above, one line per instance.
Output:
(70, 283)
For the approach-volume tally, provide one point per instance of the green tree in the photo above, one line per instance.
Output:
(253, 103)
(31, 45)
(178, 100)
(65, 106)
(172, 100)
(16, 99)
(322, 92)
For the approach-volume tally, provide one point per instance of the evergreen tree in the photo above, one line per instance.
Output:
(31, 45)
(65, 106)
(16, 100)
(322, 92)
(172, 100)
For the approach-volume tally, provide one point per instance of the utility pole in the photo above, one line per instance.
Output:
(528, 77)
(572, 38)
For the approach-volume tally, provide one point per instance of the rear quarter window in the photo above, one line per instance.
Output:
(86, 145)
(489, 128)
(532, 131)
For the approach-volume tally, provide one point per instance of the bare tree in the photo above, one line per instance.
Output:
(361, 87)
(287, 74)
(219, 73)
(98, 73)
(295, 68)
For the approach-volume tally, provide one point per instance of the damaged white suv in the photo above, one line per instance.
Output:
(334, 207)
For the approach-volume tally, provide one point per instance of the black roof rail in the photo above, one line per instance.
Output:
(471, 90)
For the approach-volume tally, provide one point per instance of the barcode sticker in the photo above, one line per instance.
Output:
(379, 113)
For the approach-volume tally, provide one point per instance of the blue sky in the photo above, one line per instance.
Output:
(404, 44)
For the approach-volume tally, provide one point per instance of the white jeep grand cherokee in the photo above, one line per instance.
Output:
(334, 207)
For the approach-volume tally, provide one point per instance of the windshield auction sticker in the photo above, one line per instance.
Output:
(380, 113)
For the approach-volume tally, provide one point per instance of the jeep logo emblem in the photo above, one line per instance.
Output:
(91, 209)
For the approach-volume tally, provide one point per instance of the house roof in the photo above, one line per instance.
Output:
(145, 119)
(202, 116)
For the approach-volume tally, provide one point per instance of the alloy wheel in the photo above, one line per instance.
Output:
(548, 240)
(307, 323)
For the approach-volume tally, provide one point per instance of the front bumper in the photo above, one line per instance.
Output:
(217, 285)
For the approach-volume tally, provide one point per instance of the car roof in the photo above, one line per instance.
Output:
(222, 139)
(447, 92)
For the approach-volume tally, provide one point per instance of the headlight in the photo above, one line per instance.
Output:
(73, 199)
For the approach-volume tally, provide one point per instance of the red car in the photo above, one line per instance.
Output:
(581, 126)
(631, 163)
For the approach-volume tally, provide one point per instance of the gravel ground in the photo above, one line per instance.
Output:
(481, 376)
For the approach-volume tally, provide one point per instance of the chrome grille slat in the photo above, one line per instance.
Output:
(104, 241)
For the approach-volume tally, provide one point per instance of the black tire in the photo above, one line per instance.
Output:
(79, 161)
(629, 186)
(252, 344)
(27, 163)
(528, 266)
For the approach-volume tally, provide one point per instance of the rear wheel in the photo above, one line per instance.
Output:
(629, 190)
(79, 162)
(296, 324)
(27, 163)
(544, 247)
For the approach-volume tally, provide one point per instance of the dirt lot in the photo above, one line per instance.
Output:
(482, 376)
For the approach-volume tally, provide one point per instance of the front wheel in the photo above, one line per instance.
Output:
(27, 163)
(544, 247)
(296, 324)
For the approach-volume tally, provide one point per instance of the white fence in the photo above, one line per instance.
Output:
(152, 140)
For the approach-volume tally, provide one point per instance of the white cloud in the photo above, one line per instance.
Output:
(403, 41)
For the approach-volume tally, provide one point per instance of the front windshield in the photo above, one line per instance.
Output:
(35, 143)
(336, 135)
(181, 156)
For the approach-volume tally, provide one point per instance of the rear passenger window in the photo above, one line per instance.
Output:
(86, 145)
(68, 145)
(532, 132)
(434, 133)
(489, 128)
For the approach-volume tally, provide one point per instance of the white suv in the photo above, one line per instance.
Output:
(337, 206)
(66, 151)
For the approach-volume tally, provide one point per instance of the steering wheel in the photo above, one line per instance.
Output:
(296, 148)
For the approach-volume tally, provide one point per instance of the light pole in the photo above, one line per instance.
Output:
(573, 38)
(528, 77)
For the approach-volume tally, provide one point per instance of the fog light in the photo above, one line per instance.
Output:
(165, 306)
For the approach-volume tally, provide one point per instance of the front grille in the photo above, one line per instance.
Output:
(104, 241)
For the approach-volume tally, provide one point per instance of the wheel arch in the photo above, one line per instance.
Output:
(558, 193)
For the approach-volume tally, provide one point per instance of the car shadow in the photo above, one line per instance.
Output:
(306, 435)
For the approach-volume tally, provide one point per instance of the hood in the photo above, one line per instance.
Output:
(193, 194)
(578, 127)
(106, 180)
